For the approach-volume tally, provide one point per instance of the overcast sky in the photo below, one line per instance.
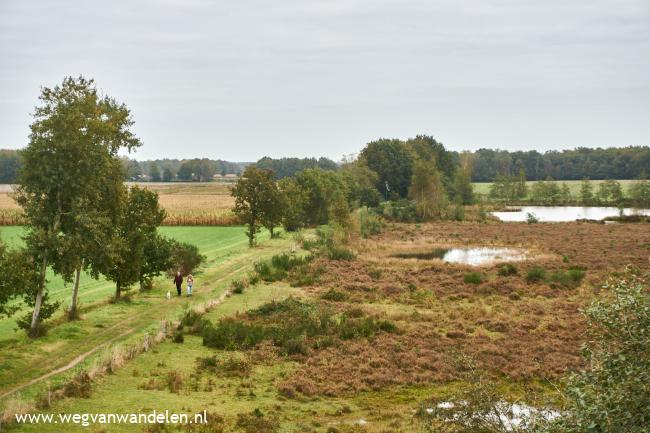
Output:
(238, 80)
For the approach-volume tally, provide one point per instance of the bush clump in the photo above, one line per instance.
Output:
(507, 270)
(369, 224)
(473, 278)
(334, 296)
(235, 365)
(536, 274)
(293, 326)
(238, 286)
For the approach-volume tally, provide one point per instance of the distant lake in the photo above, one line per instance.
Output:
(565, 213)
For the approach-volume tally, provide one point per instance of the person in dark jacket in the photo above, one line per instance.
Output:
(178, 280)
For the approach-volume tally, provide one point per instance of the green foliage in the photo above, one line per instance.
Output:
(473, 278)
(9, 165)
(178, 336)
(570, 278)
(238, 286)
(531, 218)
(610, 193)
(139, 219)
(200, 170)
(586, 193)
(292, 325)
(613, 395)
(185, 257)
(70, 179)
(334, 296)
(232, 365)
(536, 274)
(428, 191)
(392, 162)
(639, 193)
(369, 224)
(400, 210)
(289, 167)
(258, 201)
(546, 192)
(279, 266)
(507, 269)
(575, 164)
(509, 188)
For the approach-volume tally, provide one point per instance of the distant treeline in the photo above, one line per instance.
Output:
(581, 163)
(185, 170)
(288, 167)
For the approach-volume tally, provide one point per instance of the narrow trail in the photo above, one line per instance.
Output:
(67, 366)
(154, 313)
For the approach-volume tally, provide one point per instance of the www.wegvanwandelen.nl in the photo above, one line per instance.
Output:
(87, 419)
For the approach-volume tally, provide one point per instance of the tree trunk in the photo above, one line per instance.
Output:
(33, 329)
(72, 312)
(118, 292)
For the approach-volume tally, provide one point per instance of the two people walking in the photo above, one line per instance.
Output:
(178, 281)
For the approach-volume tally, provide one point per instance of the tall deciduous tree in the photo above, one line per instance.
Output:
(257, 201)
(427, 191)
(72, 150)
(139, 218)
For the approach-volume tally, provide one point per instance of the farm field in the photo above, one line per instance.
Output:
(186, 203)
(483, 188)
(524, 334)
(104, 324)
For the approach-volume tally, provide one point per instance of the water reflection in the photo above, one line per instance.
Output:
(469, 256)
(565, 213)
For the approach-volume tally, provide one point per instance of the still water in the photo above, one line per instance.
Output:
(474, 256)
(565, 213)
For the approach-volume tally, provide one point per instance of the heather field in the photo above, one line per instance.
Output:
(391, 330)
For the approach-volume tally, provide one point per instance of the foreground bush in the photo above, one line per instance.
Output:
(293, 326)
(613, 395)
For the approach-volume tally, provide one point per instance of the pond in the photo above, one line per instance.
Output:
(565, 213)
(474, 256)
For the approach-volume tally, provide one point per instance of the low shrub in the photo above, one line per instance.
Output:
(507, 270)
(174, 381)
(192, 320)
(178, 336)
(79, 386)
(473, 278)
(536, 274)
(238, 286)
(531, 218)
(338, 252)
(234, 365)
(569, 278)
(369, 224)
(375, 274)
(334, 296)
(256, 422)
(278, 267)
(293, 326)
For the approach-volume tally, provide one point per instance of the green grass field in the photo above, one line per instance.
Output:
(574, 185)
(105, 324)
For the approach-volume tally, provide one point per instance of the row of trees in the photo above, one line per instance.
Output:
(420, 170)
(513, 189)
(288, 167)
(80, 215)
(187, 170)
(581, 163)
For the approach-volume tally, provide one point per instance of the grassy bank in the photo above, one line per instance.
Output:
(106, 324)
